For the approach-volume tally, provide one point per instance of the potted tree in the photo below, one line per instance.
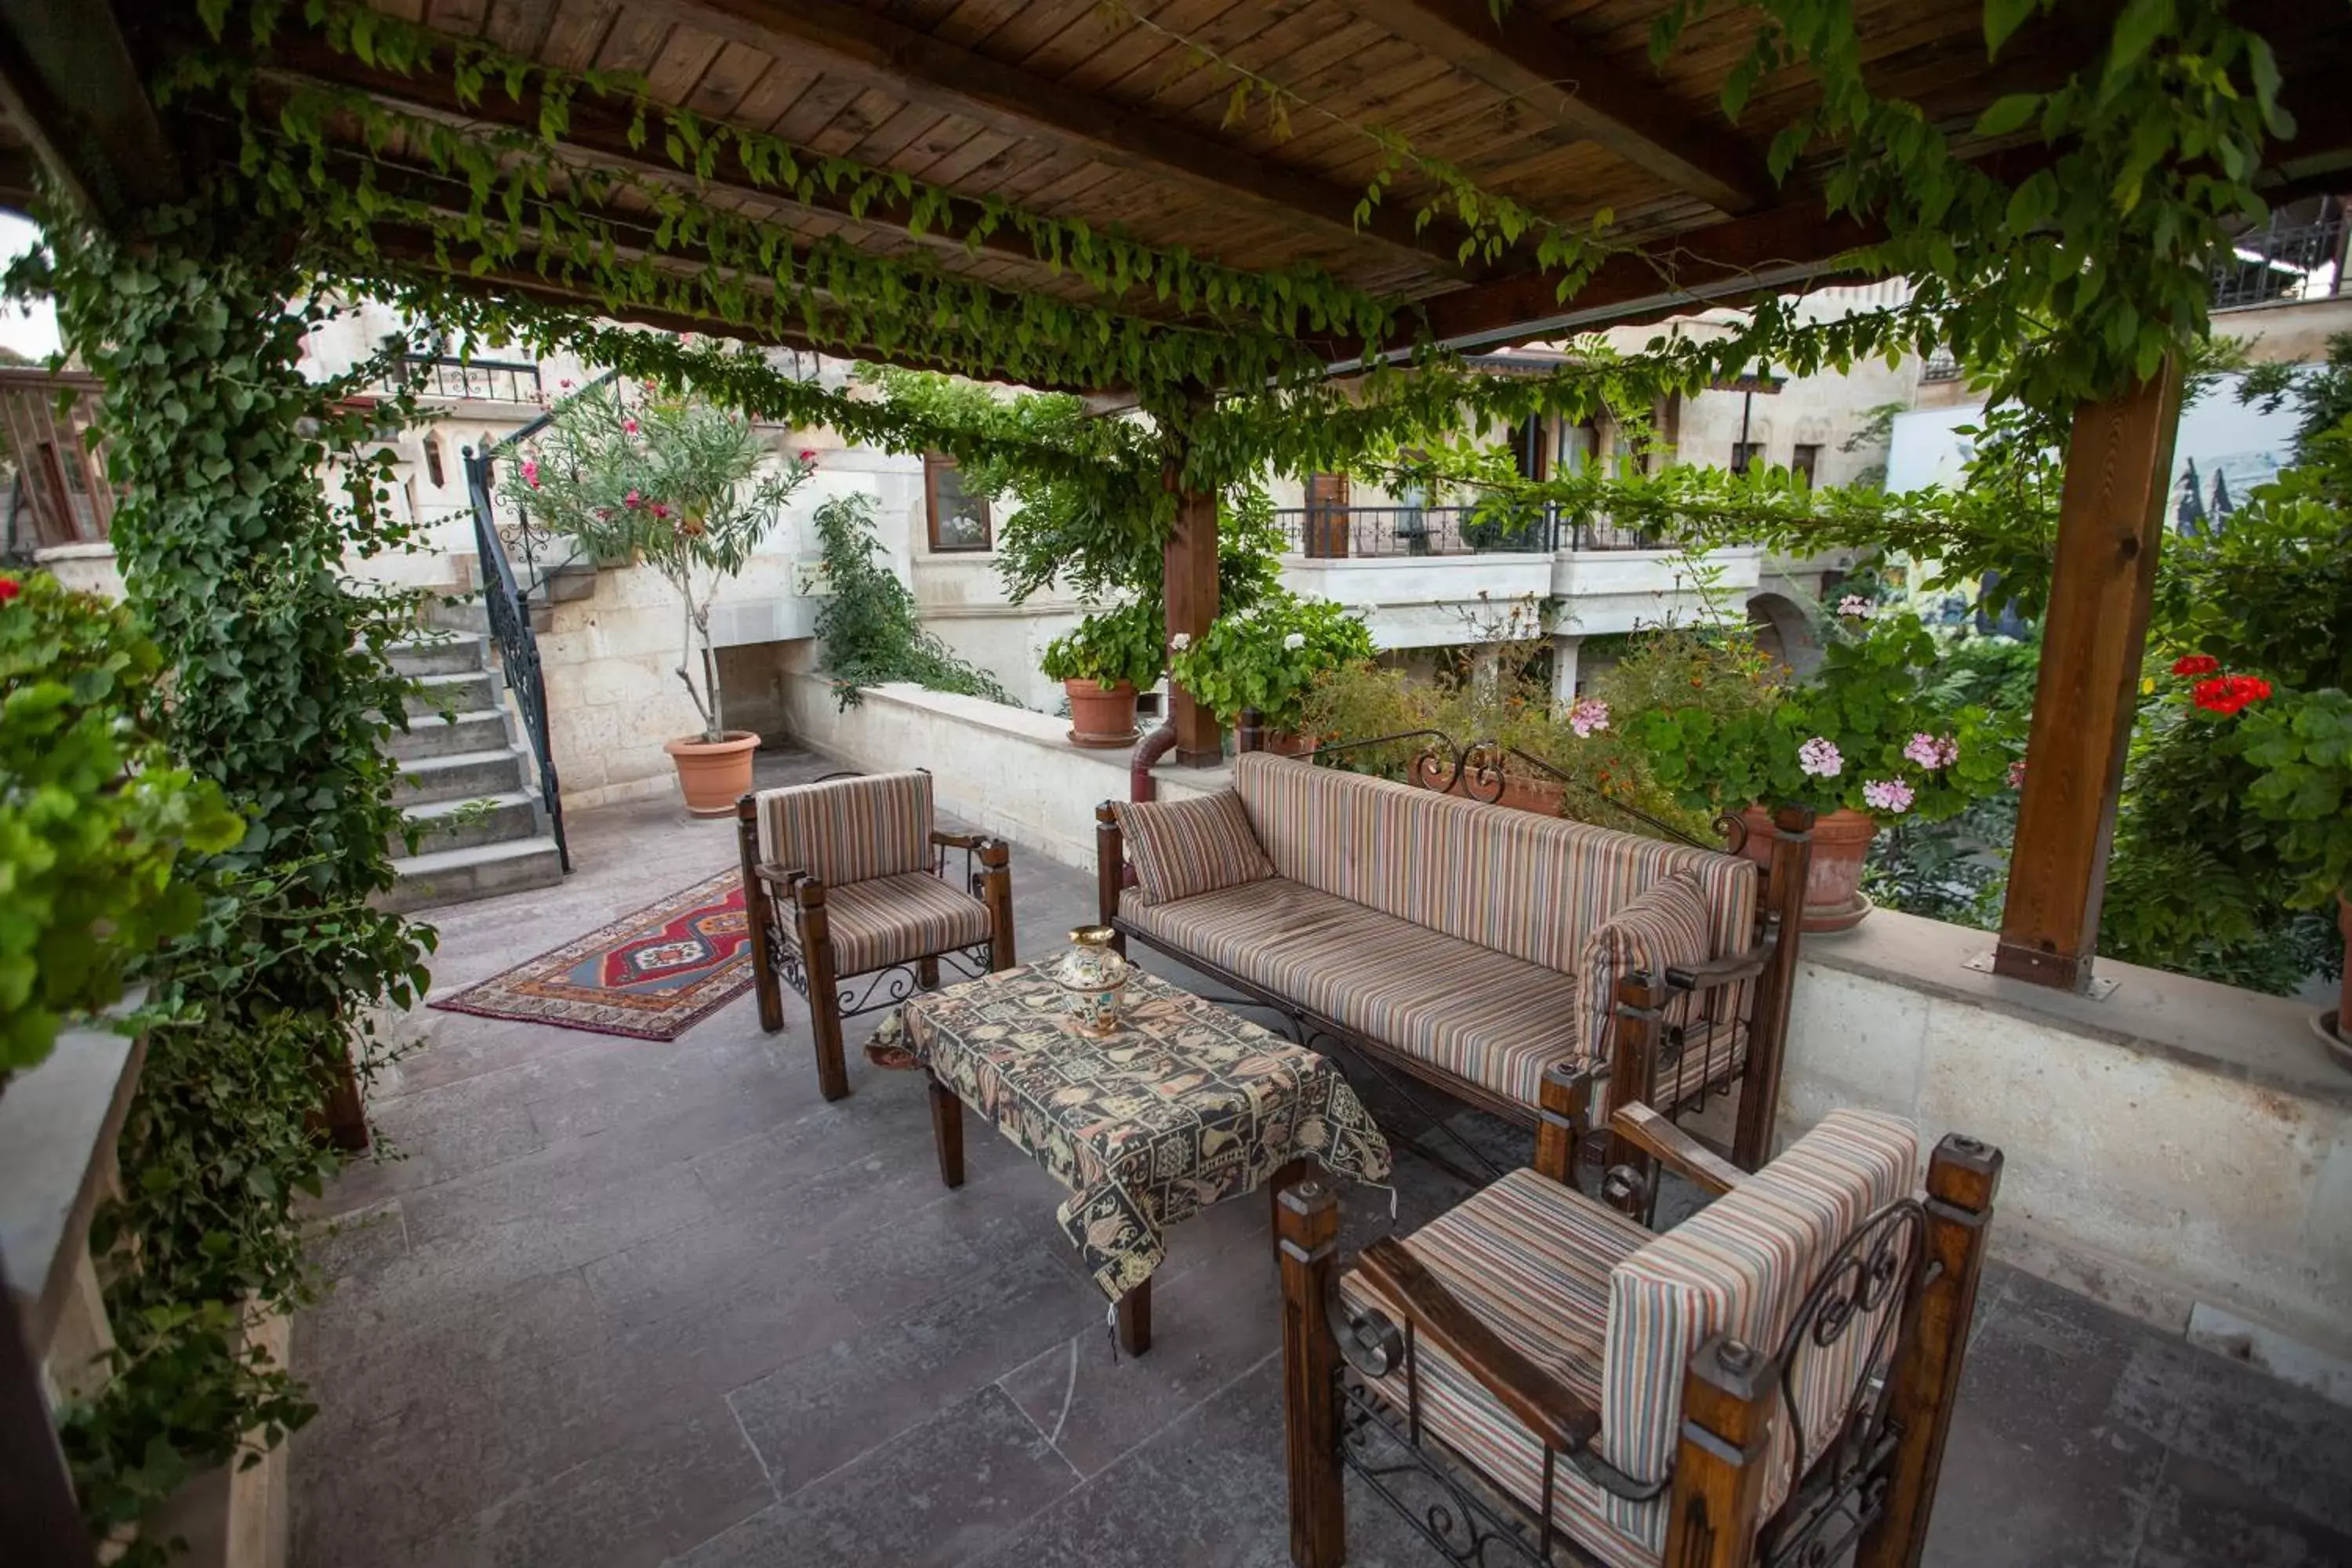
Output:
(1268, 659)
(688, 489)
(1101, 663)
(1860, 742)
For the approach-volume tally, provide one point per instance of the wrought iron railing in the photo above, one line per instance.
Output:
(483, 380)
(1940, 366)
(507, 604)
(1327, 531)
(2282, 261)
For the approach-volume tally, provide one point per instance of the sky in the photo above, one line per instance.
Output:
(34, 333)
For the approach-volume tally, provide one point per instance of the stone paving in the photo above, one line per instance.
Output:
(623, 1304)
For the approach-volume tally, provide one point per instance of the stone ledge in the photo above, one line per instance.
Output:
(2242, 1035)
(57, 1127)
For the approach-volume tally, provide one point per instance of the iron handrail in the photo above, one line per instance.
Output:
(534, 576)
(507, 606)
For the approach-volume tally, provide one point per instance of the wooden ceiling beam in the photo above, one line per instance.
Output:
(1616, 102)
(69, 85)
(914, 66)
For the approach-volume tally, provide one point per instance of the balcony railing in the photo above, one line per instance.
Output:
(1330, 531)
(2283, 261)
(480, 380)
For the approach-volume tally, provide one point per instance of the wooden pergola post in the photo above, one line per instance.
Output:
(2110, 524)
(1190, 567)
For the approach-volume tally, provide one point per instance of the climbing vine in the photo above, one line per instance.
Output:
(279, 690)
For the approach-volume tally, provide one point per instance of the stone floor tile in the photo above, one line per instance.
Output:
(2287, 1444)
(863, 1390)
(634, 1505)
(2203, 1515)
(942, 1493)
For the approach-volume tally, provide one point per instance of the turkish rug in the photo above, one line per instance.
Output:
(651, 975)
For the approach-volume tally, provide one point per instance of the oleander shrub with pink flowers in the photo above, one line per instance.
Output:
(1869, 730)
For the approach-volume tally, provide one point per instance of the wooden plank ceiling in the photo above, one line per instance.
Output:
(1118, 112)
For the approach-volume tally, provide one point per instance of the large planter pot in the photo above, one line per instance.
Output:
(1281, 742)
(713, 774)
(1101, 715)
(1833, 897)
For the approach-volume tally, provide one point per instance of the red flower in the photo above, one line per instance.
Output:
(2228, 694)
(2196, 664)
(660, 509)
(9, 589)
(808, 454)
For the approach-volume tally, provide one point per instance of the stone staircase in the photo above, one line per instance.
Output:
(466, 781)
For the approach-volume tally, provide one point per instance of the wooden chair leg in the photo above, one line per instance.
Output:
(1307, 1225)
(1565, 1098)
(759, 914)
(927, 972)
(1718, 1492)
(825, 990)
(1135, 1319)
(996, 892)
(1962, 1177)
(947, 1131)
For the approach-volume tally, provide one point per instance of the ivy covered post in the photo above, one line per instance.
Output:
(2110, 523)
(280, 693)
(1189, 579)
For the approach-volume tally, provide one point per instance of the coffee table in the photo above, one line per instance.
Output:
(1183, 1105)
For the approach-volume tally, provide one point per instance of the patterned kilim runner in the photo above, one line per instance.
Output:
(653, 975)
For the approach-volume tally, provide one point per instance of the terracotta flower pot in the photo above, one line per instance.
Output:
(1101, 715)
(1833, 897)
(713, 774)
(1281, 742)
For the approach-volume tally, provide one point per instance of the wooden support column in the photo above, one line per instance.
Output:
(1326, 533)
(2110, 520)
(1191, 568)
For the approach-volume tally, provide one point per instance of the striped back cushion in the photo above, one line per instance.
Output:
(1668, 927)
(1185, 847)
(1533, 887)
(1742, 1266)
(849, 830)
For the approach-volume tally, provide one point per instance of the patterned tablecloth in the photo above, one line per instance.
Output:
(1185, 1105)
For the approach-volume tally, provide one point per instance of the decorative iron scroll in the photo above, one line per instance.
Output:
(507, 607)
(1479, 771)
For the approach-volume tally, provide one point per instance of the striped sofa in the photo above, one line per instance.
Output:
(1480, 948)
(1565, 1354)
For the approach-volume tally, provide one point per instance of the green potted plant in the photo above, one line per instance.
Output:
(2300, 742)
(95, 822)
(1860, 742)
(1266, 660)
(1102, 663)
(689, 489)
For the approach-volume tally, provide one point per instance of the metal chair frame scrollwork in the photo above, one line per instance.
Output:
(1869, 1486)
(800, 952)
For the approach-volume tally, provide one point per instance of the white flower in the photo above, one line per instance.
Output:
(1294, 641)
(1181, 641)
(1821, 758)
(1854, 605)
(1367, 610)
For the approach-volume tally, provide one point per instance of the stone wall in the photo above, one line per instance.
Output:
(2176, 1148)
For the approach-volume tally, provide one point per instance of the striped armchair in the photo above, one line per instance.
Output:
(845, 879)
(1770, 1381)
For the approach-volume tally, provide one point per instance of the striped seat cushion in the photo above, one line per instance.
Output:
(1478, 1014)
(1532, 887)
(892, 920)
(1532, 1259)
(1185, 847)
(849, 830)
(1742, 1266)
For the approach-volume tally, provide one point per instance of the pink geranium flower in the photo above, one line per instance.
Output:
(1821, 758)
(2017, 773)
(1930, 751)
(1887, 794)
(1587, 716)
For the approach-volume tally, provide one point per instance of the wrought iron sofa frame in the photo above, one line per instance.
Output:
(1871, 1487)
(801, 954)
(1643, 1045)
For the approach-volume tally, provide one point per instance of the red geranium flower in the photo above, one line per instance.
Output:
(2196, 664)
(2228, 694)
(9, 589)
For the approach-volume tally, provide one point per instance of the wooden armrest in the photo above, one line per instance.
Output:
(1715, 972)
(784, 877)
(1643, 1126)
(958, 840)
(1549, 1407)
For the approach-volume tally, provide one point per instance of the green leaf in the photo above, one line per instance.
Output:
(2009, 113)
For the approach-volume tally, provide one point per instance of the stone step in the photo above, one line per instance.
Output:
(479, 871)
(434, 736)
(456, 691)
(460, 775)
(570, 583)
(468, 617)
(500, 818)
(438, 656)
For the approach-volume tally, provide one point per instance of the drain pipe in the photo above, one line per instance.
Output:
(1141, 784)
